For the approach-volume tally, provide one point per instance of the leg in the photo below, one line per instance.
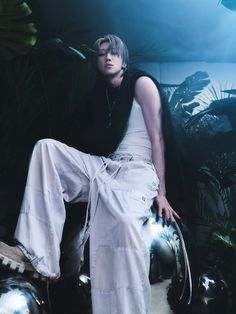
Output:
(57, 173)
(119, 243)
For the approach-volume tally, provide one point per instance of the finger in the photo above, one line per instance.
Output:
(175, 214)
(167, 213)
(172, 218)
(159, 212)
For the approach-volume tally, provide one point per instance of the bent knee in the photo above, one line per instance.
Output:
(128, 232)
(45, 142)
(45, 146)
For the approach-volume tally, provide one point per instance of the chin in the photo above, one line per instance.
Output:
(112, 71)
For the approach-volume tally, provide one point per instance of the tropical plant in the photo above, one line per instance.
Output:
(17, 35)
(224, 243)
(215, 181)
(226, 234)
(224, 106)
(185, 93)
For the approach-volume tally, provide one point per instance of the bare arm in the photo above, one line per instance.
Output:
(147, 95)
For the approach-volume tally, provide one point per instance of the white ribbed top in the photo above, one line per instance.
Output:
(136, 140)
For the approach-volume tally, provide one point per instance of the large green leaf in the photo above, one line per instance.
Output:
(224, 239)
(17, 36)
(188, 89)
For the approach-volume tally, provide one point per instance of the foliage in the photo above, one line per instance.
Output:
(225, 239)
(223, 106)
(17, 35)
(225, 233)
(222, 169)
(187, 90)
(215, 186)
(224, 242)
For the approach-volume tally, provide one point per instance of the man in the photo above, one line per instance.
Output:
(120, 187)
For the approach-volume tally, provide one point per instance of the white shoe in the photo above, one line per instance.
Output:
(12, 257)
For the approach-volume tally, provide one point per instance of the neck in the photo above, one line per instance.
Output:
(115, 80)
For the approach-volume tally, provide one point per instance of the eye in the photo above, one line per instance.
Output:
(114, 51)
(101, 53)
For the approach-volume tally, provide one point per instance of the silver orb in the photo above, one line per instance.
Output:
(166, 254)
(83, 291)
(213, 288)
(18, 296)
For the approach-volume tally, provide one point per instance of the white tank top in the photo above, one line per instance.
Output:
(136, 140)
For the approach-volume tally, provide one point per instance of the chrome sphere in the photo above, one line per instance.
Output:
(83, 286)
(166, 254)
(212, 288)
(18, 296)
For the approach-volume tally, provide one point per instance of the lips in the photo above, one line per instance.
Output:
(108, 65)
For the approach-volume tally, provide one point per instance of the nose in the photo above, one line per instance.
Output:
(108, 55)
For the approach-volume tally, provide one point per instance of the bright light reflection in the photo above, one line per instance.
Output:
(13, 301)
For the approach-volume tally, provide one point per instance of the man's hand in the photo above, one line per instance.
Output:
(165, 208)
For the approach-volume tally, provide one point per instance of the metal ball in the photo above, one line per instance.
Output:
(166, 254)
(84, 288)
(211, 286)
(20, 296)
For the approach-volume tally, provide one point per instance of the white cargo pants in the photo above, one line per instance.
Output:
(120, 193)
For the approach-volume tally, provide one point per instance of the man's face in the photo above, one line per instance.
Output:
(109, 62)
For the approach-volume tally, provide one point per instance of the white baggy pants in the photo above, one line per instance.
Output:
(120, 193)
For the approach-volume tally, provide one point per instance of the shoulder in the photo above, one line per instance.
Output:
(145, 82)
(142, 80)
(145, 88)
(141, 84)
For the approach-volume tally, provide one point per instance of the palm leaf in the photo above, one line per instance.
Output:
(17, 36)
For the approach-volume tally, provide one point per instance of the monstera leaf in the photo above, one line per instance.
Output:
(17, 36)
(188, 89)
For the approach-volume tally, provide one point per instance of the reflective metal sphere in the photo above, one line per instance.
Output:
(212, 287)
(18, 296)
(166, 251)
(78, 292)
(83, 286)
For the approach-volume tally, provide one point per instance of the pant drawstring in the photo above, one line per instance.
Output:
(89, 216)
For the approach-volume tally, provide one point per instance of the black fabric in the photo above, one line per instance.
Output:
(94, 136)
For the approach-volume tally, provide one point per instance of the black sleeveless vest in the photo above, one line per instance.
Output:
(98, 139)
